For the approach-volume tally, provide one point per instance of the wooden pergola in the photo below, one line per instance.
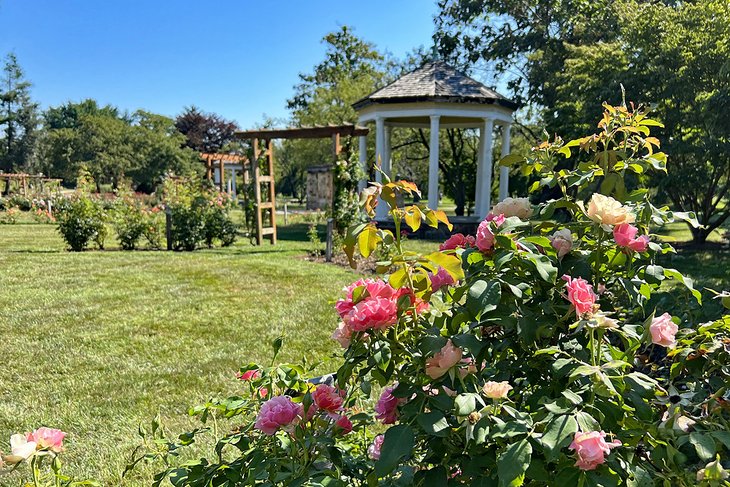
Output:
(261, 144)
(23, 180)
(218, 161)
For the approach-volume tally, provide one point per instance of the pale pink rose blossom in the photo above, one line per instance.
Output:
(625, 236)
(640, 244)
(20, 449)
(498, 218)
(496, 390)
(457, 241)
(374, 448)
(663, 331)
(440, 279)
(591, 448)
(386, 409)
(47, 439)
(519, 207)
(580, 294)
(342, 334)
(443, 360)
(562, 242)
(328, 398)
(485, 235)
(278, 413)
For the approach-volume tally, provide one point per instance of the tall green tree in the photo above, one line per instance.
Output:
(561, 58)
(18, 118)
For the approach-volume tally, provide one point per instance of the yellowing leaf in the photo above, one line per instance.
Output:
(368, 240)
(399, 278)
(413, 217)
(450, 262)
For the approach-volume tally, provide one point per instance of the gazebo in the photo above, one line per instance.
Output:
(437, 96)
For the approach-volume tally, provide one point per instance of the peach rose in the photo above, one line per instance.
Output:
(47, 439)
(496, 390)
(562, 242)
(20, 449)
(444, 359)
(663, 331)
(591, 449)
(519, 207)
(607, 211)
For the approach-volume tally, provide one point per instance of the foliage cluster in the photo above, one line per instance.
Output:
(495, 369)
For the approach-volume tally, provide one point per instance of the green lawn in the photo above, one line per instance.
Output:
(96, 342)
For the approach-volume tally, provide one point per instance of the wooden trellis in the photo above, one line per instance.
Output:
(22, 181)
(262, 146)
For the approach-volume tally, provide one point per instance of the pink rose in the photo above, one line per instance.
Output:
(562, 242)
(485, 236)
(278, 413)
(386, 409)
(663, 331)
(374, 448)
(591, 449)
(342, 335)
(466, 367)
(457, 241)
(328, 398)
(444, 359)
(343, 425)
(414, 301)
(498, 219)
(249, 375)
(625, 236)
(441, 279)
(47, 439)
(581, 295)
(378, 313)
(372, 288)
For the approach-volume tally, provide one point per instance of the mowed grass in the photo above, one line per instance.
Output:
(96, 342)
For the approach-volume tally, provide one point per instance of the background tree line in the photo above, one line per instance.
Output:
(113, 146)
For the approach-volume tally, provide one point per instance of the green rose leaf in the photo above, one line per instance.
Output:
(397, 445)
(434, 423)
(513, 462)
(704, 445)
(558, 434)
(483, 296)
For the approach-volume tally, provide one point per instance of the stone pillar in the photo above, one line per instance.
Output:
(433, 164)
(381, 211)
(503, 170)
(484, 184)
(363, 162)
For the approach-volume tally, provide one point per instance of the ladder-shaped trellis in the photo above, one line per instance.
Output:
(265, 206)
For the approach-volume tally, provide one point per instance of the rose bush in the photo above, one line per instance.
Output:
(542, 360)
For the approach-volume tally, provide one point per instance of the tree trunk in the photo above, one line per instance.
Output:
(699, 235)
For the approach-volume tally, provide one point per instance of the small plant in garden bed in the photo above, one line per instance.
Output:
(82, 218)
(527, 354)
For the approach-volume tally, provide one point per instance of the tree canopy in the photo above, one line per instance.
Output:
(18, 118)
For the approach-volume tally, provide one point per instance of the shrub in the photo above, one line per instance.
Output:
(526, 354)
(217, 224)
(23, 203)
(9, 216)
(154, 227)
(129, 223)
(81, 220)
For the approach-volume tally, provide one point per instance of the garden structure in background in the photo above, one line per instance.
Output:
(532, 353)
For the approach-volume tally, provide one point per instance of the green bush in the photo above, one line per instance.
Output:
(81, 220)
(129, 223)
(23, 203)
(218, 225)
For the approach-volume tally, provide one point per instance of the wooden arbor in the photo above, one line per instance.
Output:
(261, 144)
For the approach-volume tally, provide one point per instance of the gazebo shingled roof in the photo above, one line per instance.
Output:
(439, 82)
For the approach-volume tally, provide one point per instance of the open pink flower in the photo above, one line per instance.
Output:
(591, 448)
(443, 360)
(373, 313)
(457, 241)
(663, 331)
(278, 413)
(498, 218)
(485, 236)
(342, 334)
(625, 236)
(343, 425)
(374, 448)
(47, 439)
(581, 295)
(562, 242)
(328, 398)
(249, 375)
(496, 390)
(441, 279)
(386, 409)
(372, 288)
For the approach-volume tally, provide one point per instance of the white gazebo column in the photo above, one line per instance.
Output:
(433, 164)
(480, 170)
(363, 162)
(381, 211)
(387, 156)
(504, 170)
(234, 191)
(484, 180)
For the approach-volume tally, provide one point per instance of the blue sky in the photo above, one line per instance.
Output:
(238, 58)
